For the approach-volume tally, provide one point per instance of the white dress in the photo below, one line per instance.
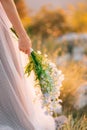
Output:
(18, 110)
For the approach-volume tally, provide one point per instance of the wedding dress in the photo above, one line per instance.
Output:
(18, 108)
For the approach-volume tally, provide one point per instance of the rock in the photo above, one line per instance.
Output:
(60, 121)
(81, 100)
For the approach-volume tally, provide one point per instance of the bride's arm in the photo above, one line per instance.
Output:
(13, 16)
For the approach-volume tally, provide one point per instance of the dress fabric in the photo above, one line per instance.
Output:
(18, 110)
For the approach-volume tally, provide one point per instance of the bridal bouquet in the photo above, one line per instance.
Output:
(48, 80)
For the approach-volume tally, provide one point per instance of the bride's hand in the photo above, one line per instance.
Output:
(25, 44)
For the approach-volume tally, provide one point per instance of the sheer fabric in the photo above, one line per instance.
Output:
(18, 108)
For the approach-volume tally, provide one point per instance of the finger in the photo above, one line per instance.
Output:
(27, 52)
(22, 50)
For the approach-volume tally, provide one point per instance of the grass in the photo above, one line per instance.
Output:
(76, 123)
(75, 76)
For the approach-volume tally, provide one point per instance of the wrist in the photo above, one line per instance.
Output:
(22, 34)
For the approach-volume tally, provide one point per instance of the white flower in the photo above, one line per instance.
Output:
(46, 55)
(39, 52)
(52, 64)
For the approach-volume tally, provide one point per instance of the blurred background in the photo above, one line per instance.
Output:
(59, 29)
